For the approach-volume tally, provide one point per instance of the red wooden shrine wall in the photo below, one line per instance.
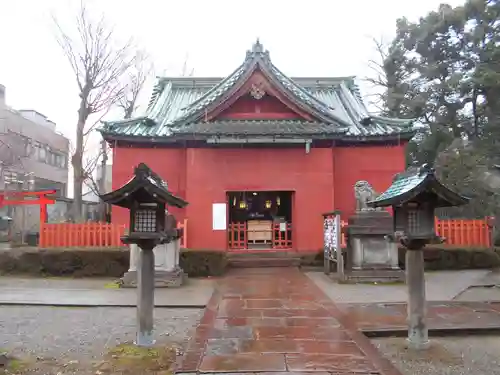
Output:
(267, 108)
(322, 180)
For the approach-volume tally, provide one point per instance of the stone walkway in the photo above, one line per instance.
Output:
(440, 286)
(376, 319)
(278, 320)
(91, 293)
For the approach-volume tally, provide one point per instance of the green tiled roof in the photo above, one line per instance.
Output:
(414, 181)
(402, 185)
(258, 127)
(179, 104)
(143, 181)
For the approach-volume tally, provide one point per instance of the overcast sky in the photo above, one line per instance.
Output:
(305, 38)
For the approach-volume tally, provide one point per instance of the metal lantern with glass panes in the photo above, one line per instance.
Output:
(146, 195)
(416, 219)
(147, 218)
(414, 196)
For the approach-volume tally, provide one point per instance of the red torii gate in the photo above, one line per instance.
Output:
(29, 197)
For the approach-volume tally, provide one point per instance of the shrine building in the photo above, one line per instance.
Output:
(258, 155)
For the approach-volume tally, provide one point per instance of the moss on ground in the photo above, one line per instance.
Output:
(112, 285)
(129, 359)
(13, 366)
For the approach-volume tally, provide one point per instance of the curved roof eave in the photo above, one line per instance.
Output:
(234, 81)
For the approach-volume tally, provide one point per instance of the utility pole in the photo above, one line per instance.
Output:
(102, 180)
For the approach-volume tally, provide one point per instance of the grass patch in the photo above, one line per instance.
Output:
(11, 365)
(384, 283)
(398, 349)
(112, 285)
(129, 359)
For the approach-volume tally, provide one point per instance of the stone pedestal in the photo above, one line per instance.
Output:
(371, 256)
(167, 270)
(374, 253)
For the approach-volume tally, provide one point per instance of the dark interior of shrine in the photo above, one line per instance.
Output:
(260, 205)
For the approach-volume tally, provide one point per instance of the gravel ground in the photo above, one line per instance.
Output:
(479, 355)
(83, 334)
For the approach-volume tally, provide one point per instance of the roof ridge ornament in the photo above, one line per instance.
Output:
(257, 50)
(142, 170)
(426, 169)
(257, 47)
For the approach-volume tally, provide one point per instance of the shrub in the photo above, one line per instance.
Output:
(453, 258)
(103, 262)
(203, 262)
(110, 262)
(436, 258)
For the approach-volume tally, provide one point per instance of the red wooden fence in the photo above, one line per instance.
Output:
(465, 232)
(88, 235)
(456, 232)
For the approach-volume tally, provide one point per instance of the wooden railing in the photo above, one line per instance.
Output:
(81, 235)
(88, 235)
(279, 235)
(467, 233)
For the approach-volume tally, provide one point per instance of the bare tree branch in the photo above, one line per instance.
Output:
(99, 63)
(135, 81)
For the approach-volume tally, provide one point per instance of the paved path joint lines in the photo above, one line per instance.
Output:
(277, 320)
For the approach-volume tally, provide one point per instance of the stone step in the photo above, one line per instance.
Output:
(263, 254)
(255, 262)
(380, 276)
(375, 272)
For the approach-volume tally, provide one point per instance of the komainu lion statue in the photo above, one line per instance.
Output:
(364, 193)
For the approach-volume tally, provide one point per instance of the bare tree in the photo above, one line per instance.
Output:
(136, 78)
(99, 64)
(14, 149)
(96, 183)
(379, 78)
(186, 72)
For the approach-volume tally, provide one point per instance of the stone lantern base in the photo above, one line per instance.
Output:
(372, 257)
(167, 270)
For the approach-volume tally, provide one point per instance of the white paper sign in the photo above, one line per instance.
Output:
(219, 216)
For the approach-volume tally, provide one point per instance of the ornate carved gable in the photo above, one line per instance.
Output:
(258, 98)
(257, 77)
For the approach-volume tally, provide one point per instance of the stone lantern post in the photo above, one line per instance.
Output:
(146, 196)
(414, 195)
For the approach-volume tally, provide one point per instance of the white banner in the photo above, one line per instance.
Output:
(219, 211)
(332, 234)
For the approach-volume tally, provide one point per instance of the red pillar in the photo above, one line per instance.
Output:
(43, 213)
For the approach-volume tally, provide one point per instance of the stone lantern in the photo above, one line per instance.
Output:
(146, 196)
(414, 195)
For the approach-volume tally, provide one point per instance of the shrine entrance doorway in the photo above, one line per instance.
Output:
(260, 220)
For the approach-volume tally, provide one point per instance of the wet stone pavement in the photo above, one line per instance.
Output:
(441, 316)
(277, 320)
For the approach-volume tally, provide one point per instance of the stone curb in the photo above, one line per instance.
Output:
(433, 332)
(90, 305)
